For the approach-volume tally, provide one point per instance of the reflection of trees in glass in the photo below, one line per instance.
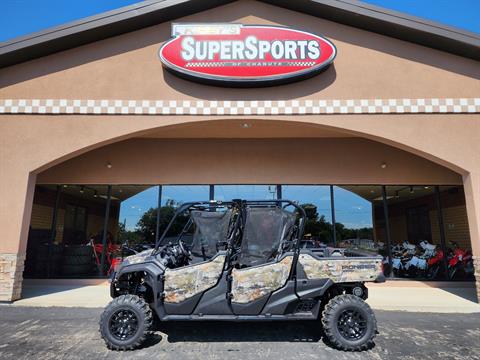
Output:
(318, 228)
(144, 232)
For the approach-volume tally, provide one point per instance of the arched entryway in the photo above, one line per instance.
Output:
(362, 193)
(182, 150)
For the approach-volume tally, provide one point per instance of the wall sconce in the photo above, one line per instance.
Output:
(109, 165)
(383, 165)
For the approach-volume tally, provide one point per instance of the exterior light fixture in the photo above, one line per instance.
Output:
(82, 189)
(109, 165)
(411, 190)
(246, 126)
(65, 186)
(95, 194)
(383, 165)
(426, 187)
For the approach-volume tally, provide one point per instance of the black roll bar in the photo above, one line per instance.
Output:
(240, 204)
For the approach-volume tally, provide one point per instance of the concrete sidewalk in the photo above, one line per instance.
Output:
(412, 296)
(416, 296)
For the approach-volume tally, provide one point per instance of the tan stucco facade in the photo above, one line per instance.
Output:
(346, 148)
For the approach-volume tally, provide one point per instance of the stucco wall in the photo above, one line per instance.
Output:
(368, 65)
(248, 161)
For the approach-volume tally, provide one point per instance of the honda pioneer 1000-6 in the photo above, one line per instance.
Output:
(241, 261)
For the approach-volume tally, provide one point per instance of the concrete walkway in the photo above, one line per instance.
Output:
(412, 296)
(415, 296)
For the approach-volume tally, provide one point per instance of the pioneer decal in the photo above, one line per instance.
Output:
(248, 55)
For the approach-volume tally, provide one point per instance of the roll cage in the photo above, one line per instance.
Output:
(241, 215)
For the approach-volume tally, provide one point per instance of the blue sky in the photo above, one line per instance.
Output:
(21, 17)
(463, 14)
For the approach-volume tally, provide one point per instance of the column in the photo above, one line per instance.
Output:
(471, 183)
(16, 191)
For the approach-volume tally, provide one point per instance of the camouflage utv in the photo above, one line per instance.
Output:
(241, 261)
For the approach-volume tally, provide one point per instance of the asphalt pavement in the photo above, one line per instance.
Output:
(72, 333)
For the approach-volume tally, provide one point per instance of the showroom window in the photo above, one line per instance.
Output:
(172, 196)
(245, 192)
(78, 231)
(357, 209)
(429, 232)
(138, 213)
(66, 221)
(316, 201)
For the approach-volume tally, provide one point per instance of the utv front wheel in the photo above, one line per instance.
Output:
(126, 322)
(349, 323)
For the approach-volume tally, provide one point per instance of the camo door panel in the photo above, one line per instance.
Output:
(183, 283)
(341, 270)
(252, 283)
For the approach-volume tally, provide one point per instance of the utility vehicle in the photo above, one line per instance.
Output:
(241, 261)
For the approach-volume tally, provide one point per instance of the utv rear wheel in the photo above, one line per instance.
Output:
(126, 323)
(349, 323)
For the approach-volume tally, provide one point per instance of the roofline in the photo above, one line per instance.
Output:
(151, 12)
(391, 23)
(98, 27)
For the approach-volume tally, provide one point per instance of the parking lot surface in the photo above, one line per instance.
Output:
(72, 333)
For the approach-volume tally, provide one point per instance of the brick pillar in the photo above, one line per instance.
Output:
(11, 270)
(476, 263)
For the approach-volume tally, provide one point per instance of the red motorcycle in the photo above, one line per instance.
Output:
(435, 263)
(460, 264)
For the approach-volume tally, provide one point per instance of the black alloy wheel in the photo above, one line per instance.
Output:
(126, 323)
(349, 323)
(123, 324)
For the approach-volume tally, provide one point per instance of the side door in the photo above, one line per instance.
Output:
(253, 286)
(183, 287)
(196, 285)
(264, 264)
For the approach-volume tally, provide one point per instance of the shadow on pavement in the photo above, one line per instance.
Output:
(36, 290)
(465, 293)
(152, 340)
(217, 331)
(464, 289)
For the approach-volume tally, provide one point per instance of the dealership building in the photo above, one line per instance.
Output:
(338, 100)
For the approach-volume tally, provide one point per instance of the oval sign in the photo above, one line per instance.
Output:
(245, 55)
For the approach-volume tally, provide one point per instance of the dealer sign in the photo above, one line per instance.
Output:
(245, 55)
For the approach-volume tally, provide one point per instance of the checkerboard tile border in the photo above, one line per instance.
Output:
(225, 107)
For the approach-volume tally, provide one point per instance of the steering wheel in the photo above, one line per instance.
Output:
(184, 250)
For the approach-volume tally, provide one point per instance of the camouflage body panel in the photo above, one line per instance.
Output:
(341, 270)
(183, 283)
(253, 283)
